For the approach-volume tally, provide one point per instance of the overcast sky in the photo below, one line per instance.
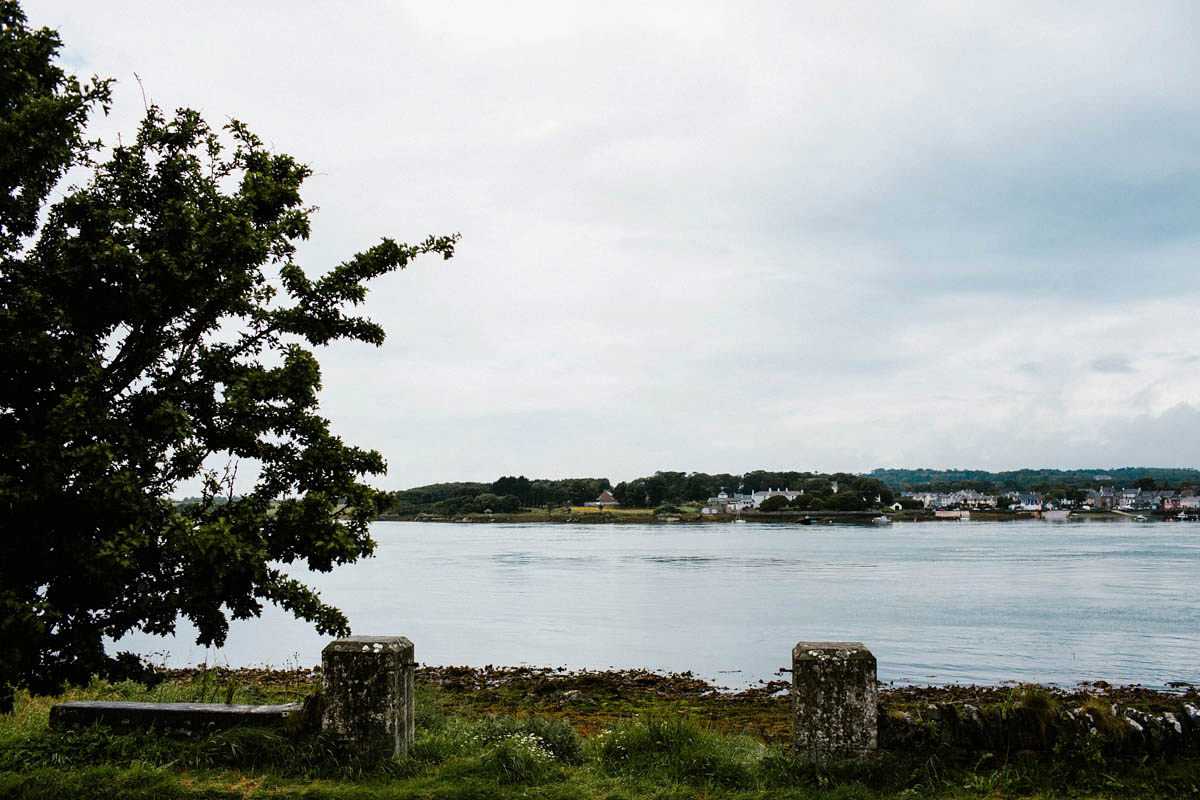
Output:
(712, 236)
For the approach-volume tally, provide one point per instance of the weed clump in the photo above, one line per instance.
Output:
(518, 758)
(1039, 700)
(504, 749)
(555, 736)
(677, 751)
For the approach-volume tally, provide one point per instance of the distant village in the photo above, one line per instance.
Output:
(1166, 490)
(1103, 499)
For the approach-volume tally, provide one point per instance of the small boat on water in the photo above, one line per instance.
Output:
(883, 519)
(1055, 514)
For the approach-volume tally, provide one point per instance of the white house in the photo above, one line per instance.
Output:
(790, 494)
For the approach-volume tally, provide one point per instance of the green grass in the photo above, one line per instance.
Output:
(659, 755)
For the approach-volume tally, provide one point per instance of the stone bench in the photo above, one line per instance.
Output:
(169, 717)
(367, 698)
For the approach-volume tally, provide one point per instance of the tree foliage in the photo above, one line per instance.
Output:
(454, 498)
(775, 502)
(42, 113)
(154, 326)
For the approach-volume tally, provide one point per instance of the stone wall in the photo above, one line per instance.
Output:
(1101, 727)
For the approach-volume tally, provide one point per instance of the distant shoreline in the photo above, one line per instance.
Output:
(647, 516)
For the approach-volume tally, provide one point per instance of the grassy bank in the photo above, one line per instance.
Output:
(545, 734)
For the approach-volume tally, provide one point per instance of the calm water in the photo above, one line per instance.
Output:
(937, 602)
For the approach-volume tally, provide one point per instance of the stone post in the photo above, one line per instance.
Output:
(834, 699)
(367, 686)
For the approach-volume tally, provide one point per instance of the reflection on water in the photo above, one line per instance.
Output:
(936, 602)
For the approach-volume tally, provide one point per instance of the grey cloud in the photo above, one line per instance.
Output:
(783, 230)
(1112, 364)
(1171, 438)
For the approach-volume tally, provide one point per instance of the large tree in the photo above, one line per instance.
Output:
(155, 328)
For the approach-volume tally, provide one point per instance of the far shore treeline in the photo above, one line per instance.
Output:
(511, 493)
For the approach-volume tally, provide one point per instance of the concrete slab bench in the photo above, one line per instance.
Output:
(169, 717)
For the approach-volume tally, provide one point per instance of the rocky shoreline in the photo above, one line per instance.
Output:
(1115, 720)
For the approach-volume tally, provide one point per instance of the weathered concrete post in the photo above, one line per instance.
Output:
(834, 699)
(367, 683)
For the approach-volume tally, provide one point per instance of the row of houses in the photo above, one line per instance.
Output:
(972, 499)
(1143, 499)
(964, 498)
(1104, 499)
(725, 503)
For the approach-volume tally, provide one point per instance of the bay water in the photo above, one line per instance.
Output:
(936, 602)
